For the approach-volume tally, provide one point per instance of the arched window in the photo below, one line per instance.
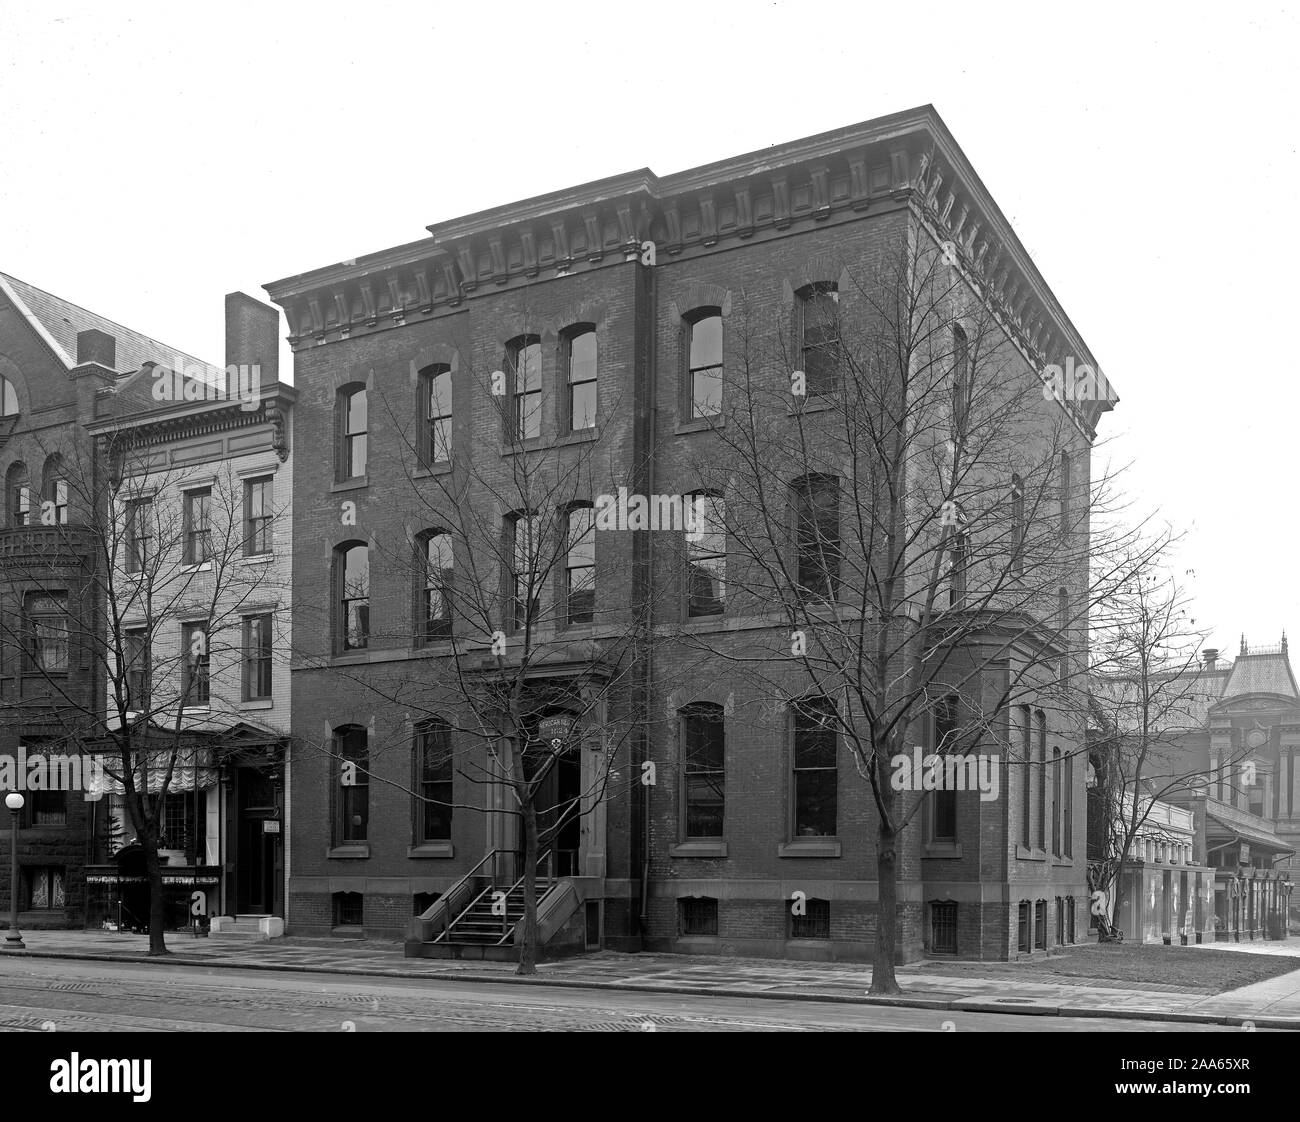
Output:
(1040, 722)
(352, 421)
(817, 535)
(819, 316)
(704, 362)
(958, 559)
(435, 391)
(703, 770)
(8, 398)
(352, 594)
(352, 788)
(943, 802)
(580, 565)
(524, 355)
(435, 598)
(706, 550)
(18, 495)
(433, 764)
(1066, 484)
(1056, 801)
(582, 377)
(54, 492)
(814, 761)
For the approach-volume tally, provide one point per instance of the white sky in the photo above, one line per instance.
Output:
(155, 156)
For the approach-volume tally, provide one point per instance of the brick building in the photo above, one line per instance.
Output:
(613, 316)
(55, 359)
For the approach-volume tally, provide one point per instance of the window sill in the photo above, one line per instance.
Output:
(1023, 853)
(197, 710)
(580, 436)
(257, 559)
(809, 847)
(350, 484)
(813, 403)
(700, 424)
(197, 567)
(699, 849)
(534, 444)
(942, 849)
(350, 658)
(431, 849)
(344, 852)
(258, 703)
(428, 471)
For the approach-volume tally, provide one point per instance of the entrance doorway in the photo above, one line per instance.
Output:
(257, 844)
(559, 822)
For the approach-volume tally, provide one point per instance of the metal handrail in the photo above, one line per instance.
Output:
(450, 894)
(507, 929)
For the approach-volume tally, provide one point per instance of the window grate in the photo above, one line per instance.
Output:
(698, 916)
(815, 923)
(348, 909)
(943, 927)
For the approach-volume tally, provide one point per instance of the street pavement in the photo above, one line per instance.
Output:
(931, 986)
(62, 995)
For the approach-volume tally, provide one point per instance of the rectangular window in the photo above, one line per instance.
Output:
(1022, 929)
(1067, 816)
(706, 548)
(1026, 775)
(196, 663)
(257, 657)
(47, 632)
(580, 566)
(44, 884)
(438, 416)
(352, 572)
(582, 381)
(353, 425)
(705, 365)
(139, 534)
(22, 499)
(136, 656)
(697, 916)
(1060, 921)
(435, 763)
(817, 535)
(1017, 526)
(1069, 919)
(1040, 925)
(526, 359)
(353, 800)
(814, 922)
(198, 526)
(349, 909)
(257, 515)
(943, 927)
(957, 561)
(704, 773)
(438, 576)
(178, 821)
(819, 309)
(60, 498)
(1040, 720)
(816, 744)
(943, 805)
(1066, 484)
(1056, 802)
(524, 578)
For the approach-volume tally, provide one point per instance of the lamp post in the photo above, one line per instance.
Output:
(13, 938)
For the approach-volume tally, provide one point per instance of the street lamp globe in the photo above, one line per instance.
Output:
(14, 800)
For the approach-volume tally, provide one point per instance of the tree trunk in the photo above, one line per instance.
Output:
(153, 868)
(882, 966)
(528, 947)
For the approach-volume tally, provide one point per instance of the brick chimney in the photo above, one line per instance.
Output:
(1210, 656)
(253, 336)
(96, 346)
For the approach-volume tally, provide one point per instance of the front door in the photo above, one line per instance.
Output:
(257, 847)
(559, 822)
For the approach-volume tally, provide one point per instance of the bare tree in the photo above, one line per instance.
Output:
(1145, 696)
(894, 492)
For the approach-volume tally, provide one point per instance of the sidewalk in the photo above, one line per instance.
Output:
(1274, 1003)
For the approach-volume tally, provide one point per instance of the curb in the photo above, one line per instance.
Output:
(955, 1005)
